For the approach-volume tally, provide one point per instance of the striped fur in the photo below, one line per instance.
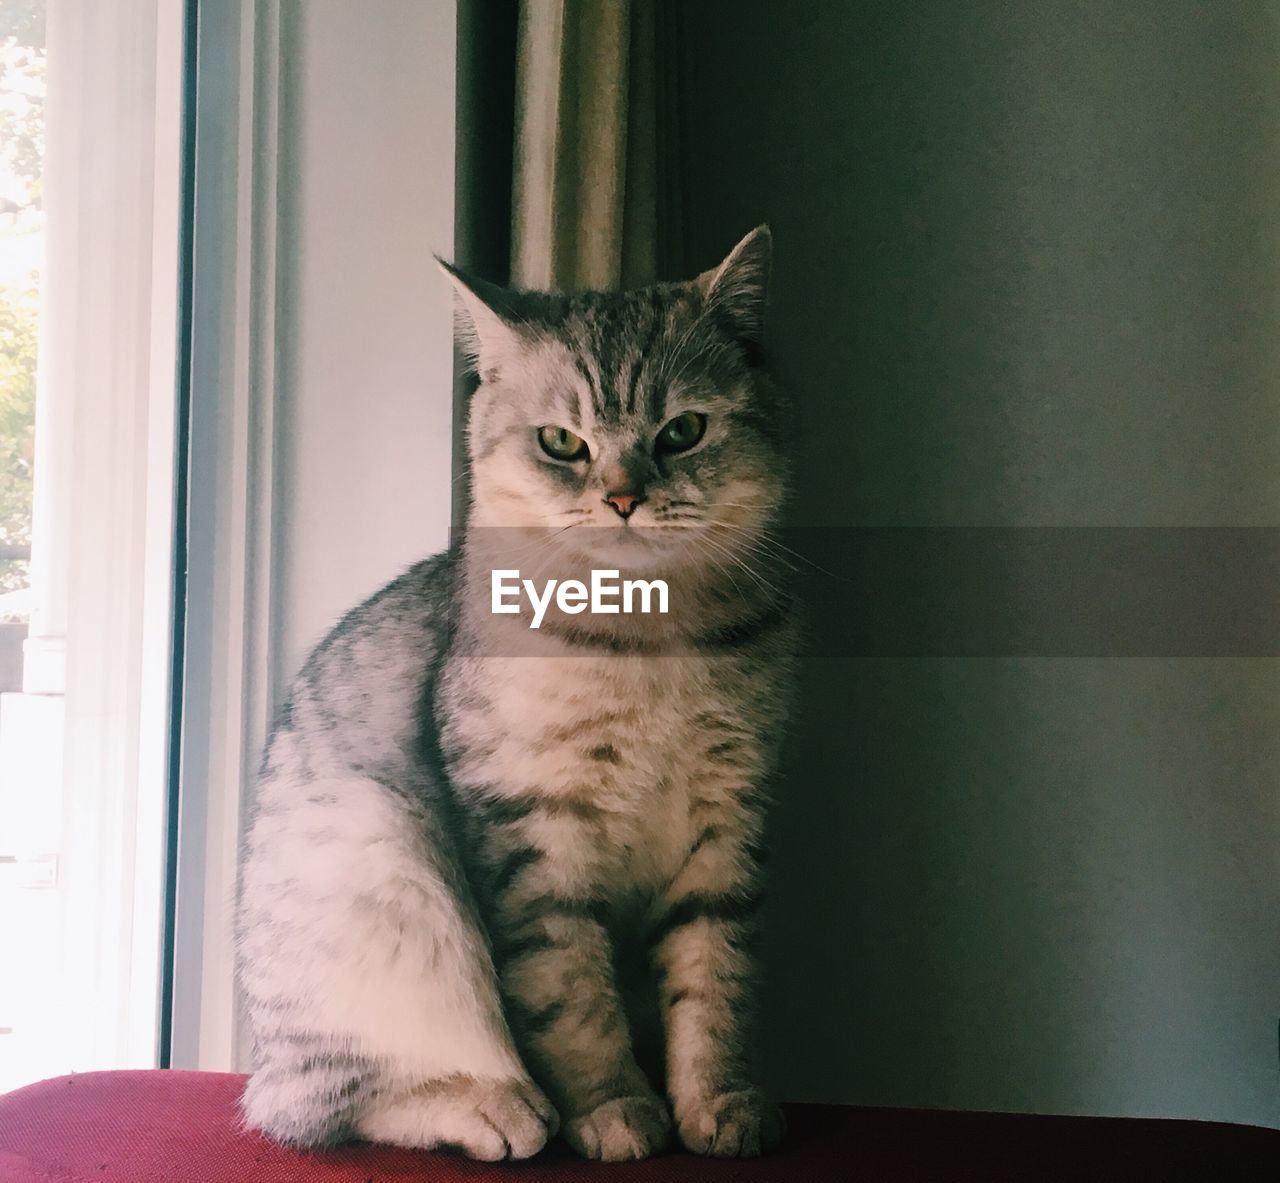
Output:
(498, 881)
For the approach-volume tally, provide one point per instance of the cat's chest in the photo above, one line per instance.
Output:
(625, 722)
(624, 735)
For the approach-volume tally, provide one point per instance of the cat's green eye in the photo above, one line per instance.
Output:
(682, 432)
(561, 444)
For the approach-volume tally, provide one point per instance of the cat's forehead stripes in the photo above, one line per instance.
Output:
(592, 384)
(615, 342)
(659, 318)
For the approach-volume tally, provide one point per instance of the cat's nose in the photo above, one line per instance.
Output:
(623, 504)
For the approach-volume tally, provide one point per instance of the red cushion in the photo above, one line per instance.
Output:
(184, 1127)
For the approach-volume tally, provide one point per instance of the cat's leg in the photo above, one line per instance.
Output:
(368, 982)
(702, 948)
(544, 862)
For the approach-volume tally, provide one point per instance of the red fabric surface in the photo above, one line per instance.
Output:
(184, 1127)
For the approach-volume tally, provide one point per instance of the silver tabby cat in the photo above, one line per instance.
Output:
(502, 882)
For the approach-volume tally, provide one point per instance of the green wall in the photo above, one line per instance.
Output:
(1028, 274)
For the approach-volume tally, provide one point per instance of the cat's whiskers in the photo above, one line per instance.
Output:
(738, 561)
(719, 567)
(533, 546)
(758, 542)
(765, 534)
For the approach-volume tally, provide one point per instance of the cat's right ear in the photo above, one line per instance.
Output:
(486, 324)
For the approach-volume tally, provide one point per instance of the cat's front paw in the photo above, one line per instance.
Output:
(486, 1119)
(741, 1124)
(621, 1129)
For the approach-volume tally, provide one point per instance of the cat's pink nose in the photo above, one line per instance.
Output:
(623, 504)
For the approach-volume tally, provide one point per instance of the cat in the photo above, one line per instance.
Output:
(499, 882)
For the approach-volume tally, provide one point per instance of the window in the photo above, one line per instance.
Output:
(90, 165)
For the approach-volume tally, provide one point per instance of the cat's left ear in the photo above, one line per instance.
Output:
(486, 321)
(735, 293)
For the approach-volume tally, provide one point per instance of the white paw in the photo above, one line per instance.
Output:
(621, 1129)
(740, 1124)
(485, 1119)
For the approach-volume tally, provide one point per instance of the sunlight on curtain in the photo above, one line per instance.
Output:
(595, 187)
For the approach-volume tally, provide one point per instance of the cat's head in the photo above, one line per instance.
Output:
(625, 411)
